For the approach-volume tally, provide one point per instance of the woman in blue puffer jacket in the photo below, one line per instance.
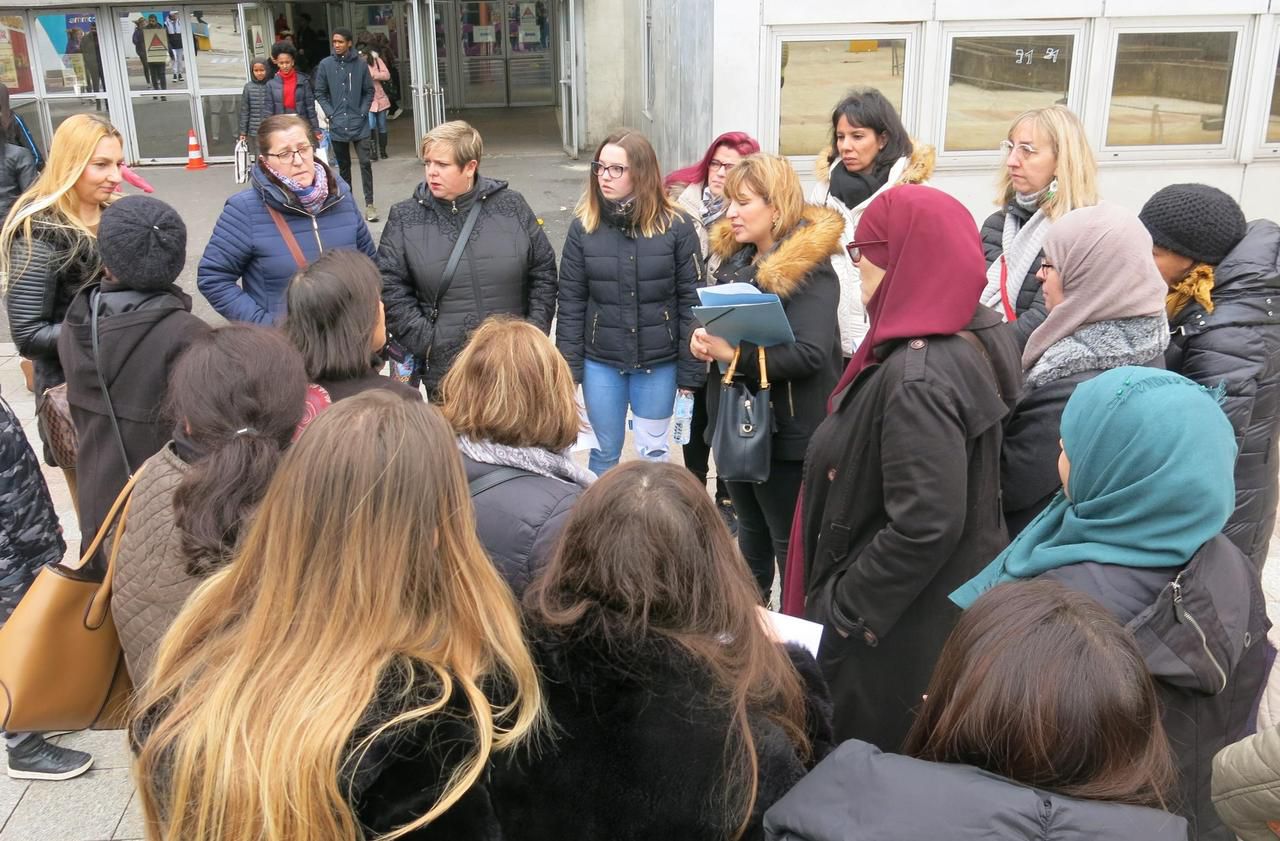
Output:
(245, 270)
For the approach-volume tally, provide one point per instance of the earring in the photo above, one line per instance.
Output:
(776, 220)
(1053, 189)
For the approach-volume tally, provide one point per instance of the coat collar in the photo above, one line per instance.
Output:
(916, 169)
(784, 270)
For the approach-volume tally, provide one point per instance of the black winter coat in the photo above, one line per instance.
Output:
(1030, 305)
(802, 374)
(627, 300)
(519, 521)
(1238, 345)
(253, 108)
(30, 535)
(344, 90)
(304, 99)
(17, 173)
(140, 337)
(860, 793)
(507, 267)
(1208, 685)
(902, 506)
(637, 750)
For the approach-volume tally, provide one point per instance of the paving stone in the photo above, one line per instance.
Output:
(131, 826)
(87, 808)
(110, 748)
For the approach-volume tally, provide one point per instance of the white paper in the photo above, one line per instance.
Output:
(796, 630)
(586, 435)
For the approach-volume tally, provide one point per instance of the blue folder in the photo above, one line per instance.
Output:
(739, 312)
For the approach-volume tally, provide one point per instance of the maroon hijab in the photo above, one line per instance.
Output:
(934, 269)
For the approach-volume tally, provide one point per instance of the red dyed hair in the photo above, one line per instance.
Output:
(739, 141)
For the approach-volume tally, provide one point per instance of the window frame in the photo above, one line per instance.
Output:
(1264, 149)
(1079, 29)
(1102, 84)
(647, 70)
(771, 73)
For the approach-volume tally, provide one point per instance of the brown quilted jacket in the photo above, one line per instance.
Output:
(151, 580)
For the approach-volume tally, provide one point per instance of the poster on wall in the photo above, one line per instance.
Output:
(8, 63)
(482, 34)
(258, 40)
(73, 69)
(157, 42)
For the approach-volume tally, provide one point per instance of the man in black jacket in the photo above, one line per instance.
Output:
(344, 91)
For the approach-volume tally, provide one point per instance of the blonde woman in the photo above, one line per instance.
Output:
(1048, 171)
(510, 399)
(629, 276)
(337, 680)
(48, 245)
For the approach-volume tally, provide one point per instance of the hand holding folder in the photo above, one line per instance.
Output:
(739, 312)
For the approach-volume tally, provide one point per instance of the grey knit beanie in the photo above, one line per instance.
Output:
(1194, 220)
(143, 242)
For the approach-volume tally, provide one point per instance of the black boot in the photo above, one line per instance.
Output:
(382, 145)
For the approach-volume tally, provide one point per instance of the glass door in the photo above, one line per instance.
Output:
(159, 82)
(483, 41)
(218, 67)
(256, 28)
(428, 96)
(568, 106)
(530, 72)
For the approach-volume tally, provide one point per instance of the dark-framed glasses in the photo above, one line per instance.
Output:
(612, 170)
(718, 166)
(289, 155)
(855, 248)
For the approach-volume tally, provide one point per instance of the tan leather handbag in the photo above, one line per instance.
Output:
(61, 666)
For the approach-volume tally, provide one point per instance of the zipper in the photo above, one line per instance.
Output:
(791, 399)
(1183, 616)
(595, 327)
(315, 229)
(666, 316)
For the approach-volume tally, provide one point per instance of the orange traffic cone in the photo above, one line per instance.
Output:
(195, 160)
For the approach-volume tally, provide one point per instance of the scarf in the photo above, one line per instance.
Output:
(1019, 245)
(933, 269)
(1101, 346)
(712, 208)
(853, 188)
(1196, 286)
(290, 82)
(533, 459)
(1152, 460)
(619, 213)
(1103, 255)
(313, 197)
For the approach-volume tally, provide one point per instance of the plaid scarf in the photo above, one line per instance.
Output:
(313, 197)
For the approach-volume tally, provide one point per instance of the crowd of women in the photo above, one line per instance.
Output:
(1023, 475)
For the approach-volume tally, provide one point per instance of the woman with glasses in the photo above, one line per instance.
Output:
(294, 209)
(629, 276)
(1048, 171)
(902, 480)
(870, 152)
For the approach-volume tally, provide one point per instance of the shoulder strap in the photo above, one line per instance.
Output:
(496, 477)
(455, 256)
(102, 382)
(290, 241)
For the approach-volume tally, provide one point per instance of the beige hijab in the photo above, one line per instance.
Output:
(1103, 254)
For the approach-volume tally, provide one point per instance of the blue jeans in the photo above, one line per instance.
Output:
(608, 390)
(378, 121)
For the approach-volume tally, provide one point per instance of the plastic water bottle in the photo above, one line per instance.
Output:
(683, 416)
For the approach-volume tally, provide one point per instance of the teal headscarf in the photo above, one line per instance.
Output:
(1152, 480)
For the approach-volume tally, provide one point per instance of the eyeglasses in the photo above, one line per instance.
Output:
(718, 166)
(1024, 150)
(289, 155)
(855, 248)
(613, 170)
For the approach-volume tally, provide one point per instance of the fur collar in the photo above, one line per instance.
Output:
(784, 270)
(919, 167)
(1101, 346)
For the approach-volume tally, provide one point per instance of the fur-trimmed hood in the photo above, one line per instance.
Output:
(784, 270)
(919, 167)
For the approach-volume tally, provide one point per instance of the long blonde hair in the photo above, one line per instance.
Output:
(1077, 172)
(654, 210)
(53, 196)
(361, 564)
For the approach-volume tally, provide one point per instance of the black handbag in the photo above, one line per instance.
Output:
(742, 442)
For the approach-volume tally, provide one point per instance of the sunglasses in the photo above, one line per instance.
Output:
(855, 248)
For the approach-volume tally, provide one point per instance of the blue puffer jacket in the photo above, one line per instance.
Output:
(246, 245)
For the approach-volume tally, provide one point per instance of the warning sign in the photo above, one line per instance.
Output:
(259, 46)
(157, 44)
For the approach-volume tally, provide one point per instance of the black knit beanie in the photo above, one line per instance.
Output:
(143, 242)
(1194, 220)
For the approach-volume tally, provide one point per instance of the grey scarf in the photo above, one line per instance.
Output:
(1102, 346)
(1021, 245)
(533, 459)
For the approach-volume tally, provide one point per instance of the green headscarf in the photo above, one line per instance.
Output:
(1152, 480)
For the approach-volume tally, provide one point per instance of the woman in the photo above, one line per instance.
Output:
(1106, 309)
(1139, 527)
(381, 105)
(1246, 786)
(14, 131)
(1222, 276)
(253, 101)
(698, 190)
(294, 209)
(361, 596)
(510, 398)
(1039, 720)
(335, 319)
(290, 91)
(870, 152)
(772, 241)
(234, 399)
(629, 276)
(902, 480)
(1048, 170)
(49, 248)
(677, 713)
(506, 266)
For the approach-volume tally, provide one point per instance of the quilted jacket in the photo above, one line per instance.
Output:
(1029, 305)
(247, 247)
(30, 536)
(304, 99)
(253, 108)
(151, 580)
(1246, 786)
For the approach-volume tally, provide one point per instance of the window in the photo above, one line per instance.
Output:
(70, 53)
(816, 75)
(1273, 120)
(1171, 88)
(994, 78)
(15, 57)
